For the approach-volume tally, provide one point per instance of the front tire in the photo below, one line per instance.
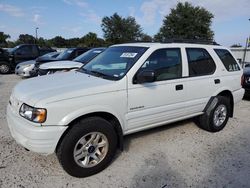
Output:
(88, 147)
(4, 68)
(216, 115)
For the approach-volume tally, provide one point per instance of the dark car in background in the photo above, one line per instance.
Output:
(68, 54)
(63, 66)
(21, 53)
(246, 79)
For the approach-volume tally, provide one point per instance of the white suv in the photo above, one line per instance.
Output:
(83, 115)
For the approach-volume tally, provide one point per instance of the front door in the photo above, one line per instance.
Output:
(152, 104)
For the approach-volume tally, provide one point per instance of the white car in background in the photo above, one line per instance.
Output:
(28, 69)
(64, 66)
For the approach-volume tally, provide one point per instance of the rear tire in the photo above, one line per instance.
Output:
(216, 115)
(4, 68)
(88, 147)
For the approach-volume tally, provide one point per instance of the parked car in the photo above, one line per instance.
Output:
(83, 115)
(246, 79)
(28, 69)
(3, 58)
(64, 66)
(21, 53)
(68, 54)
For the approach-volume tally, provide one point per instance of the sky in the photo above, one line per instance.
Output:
(75, 18)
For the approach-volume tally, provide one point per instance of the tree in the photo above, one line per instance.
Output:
(58, 41)
(146, 38)
(26, 39)
(3, 39)
(91, 40)
(186, 22)
(119, 30)
(73, 42)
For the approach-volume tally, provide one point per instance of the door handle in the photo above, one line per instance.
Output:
(179, 87)
(217, 81)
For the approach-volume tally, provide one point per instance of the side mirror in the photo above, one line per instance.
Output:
(145, 77)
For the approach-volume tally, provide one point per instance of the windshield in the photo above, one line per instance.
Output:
(114, 62)
(65, 54)
(89, 55)
(13, 49)
(51, 54)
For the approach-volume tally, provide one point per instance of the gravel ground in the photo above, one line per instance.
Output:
(176, 155)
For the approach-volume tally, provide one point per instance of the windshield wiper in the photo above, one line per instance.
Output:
(98, 74)
(102, 75)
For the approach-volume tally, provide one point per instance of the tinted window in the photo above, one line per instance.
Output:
(199, 62)
(87, 56)
(79, 52)
(65, 54)
(114, 62)
(227, 59)
(25, 50)
(166, 63)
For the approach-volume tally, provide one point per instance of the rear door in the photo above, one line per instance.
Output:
(201, 81)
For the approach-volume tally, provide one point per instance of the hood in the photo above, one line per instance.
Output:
(55, 87)
(61, 65)
(31, 62)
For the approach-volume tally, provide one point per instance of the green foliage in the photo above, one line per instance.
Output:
(26, 39)
(146, 38)
(91, 40)
(120, 30)
(3, 39)
(186, 22)
(58, 41)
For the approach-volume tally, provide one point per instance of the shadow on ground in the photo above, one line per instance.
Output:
(227, 164)
(156, 130)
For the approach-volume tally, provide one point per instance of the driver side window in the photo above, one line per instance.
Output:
(166, 63)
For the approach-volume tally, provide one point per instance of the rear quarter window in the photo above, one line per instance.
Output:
(227, 59)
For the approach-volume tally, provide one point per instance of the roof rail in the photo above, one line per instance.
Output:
(193, 41)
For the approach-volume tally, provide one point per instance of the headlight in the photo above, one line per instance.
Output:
(25, 66)
(37, 115)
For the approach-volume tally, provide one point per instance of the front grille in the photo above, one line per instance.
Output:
(42, 72)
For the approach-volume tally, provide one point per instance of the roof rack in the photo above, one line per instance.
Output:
(192, 41)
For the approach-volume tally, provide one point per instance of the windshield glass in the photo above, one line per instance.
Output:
(13, 49)
(114, 62)
(87, 56)
(51, 54)
(65, 54)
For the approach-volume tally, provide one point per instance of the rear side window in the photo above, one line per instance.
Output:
(200, 63)
(227, 60)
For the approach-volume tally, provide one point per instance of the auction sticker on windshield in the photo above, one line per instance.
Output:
(128, 55)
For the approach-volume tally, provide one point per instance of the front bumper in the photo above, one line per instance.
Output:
(40, 139)
(26, 72)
